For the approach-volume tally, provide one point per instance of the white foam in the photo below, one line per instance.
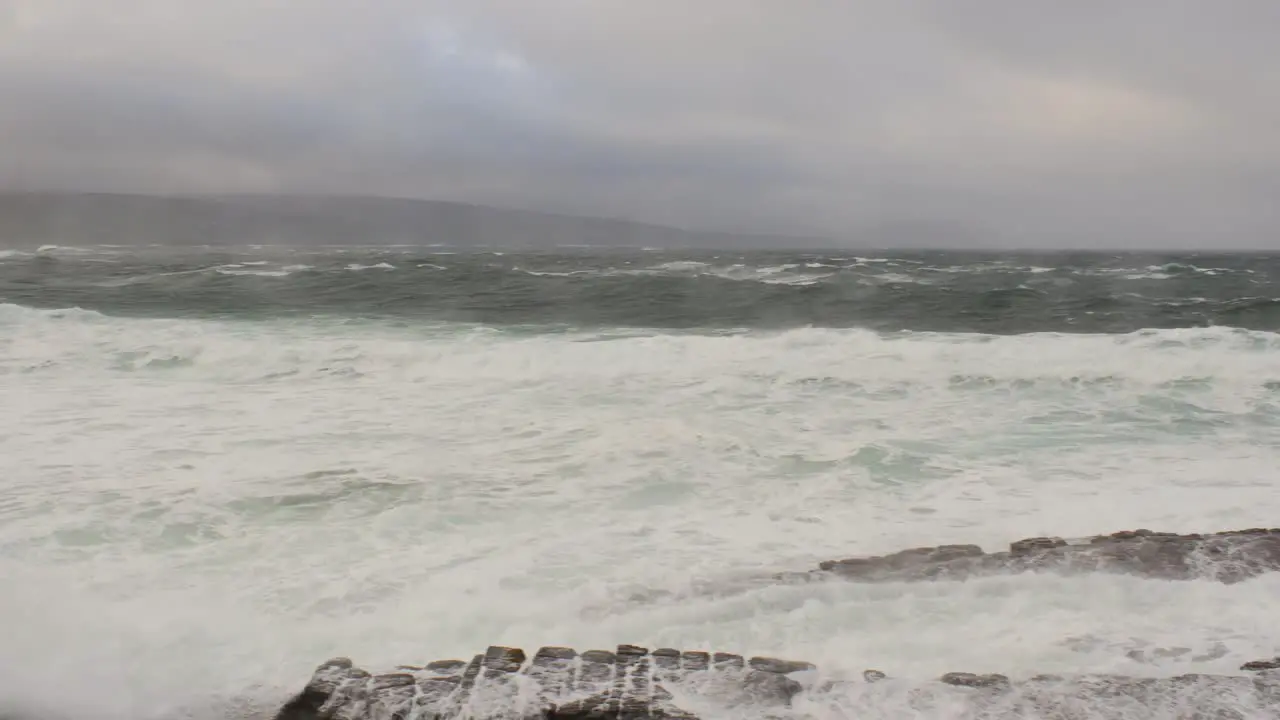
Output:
(551, 273)
(785, 274)
(194, 511)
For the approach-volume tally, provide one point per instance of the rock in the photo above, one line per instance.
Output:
(768, 688)
(303, 706)
(1033, 545)
(727, 661)
(633, 683)
(1227, 557)
(628, 684)
(446, 666)
(902, 562)
(393, 680)
(873, 676)
(695, 660)
(666, 664)
(971, 680)
(782, 667)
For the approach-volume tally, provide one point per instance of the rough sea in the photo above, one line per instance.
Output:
(220, 467)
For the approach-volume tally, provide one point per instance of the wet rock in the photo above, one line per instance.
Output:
(447, 667)
(503, 659)
(393, 680)
(782, 667)
(303, 706)
(448, 695)
(727, 661)
(595, 674)
(695, 660)
(1033, 545)
(1157, 654)
(435, 693)
(769, 688)
(666, 664)
(903, 562)
(961, 679)
(553, 668)
(558, 684)
(1227, 557)
(587, 708)
(603, 657)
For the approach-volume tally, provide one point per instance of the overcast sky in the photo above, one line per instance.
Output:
(1135, 122)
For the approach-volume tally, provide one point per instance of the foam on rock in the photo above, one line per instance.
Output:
(633, 683)
(556, 683)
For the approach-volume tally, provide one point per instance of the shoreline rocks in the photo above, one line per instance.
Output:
(1227, 557)
(631, 683)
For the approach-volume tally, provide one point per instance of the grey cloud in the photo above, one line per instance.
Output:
(1038, 122)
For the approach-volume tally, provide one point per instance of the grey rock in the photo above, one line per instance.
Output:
(558, 684)
(447, 667)
(503, 659)
(1227, 557)
(633, 683)
(727, 661)
(961, 679)
(768, 688)
(782, 667)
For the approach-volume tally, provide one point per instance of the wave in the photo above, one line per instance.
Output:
(585, 290)
(233, 270)
(863, 362)
(232, 499)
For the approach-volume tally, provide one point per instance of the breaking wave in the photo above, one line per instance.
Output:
(212, 482)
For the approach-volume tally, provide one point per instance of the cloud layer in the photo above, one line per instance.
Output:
(1025, 122)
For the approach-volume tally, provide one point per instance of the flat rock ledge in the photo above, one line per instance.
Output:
(631, 683)
(1227, 557)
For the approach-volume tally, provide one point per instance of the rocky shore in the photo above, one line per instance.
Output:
(1227, 557)
(630, 682)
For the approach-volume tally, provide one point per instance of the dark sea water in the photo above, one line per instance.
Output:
(583, 288)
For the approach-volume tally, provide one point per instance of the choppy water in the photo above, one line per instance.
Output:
(220, 468)
(593, 290)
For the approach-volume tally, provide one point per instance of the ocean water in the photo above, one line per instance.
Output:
(219, 467)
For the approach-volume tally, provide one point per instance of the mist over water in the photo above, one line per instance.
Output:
(220, 468)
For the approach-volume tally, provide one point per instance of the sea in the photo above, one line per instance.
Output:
(220, 467)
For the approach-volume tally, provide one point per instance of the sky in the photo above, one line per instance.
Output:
(1031, 122)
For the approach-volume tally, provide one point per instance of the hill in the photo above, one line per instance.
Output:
(34, 219)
